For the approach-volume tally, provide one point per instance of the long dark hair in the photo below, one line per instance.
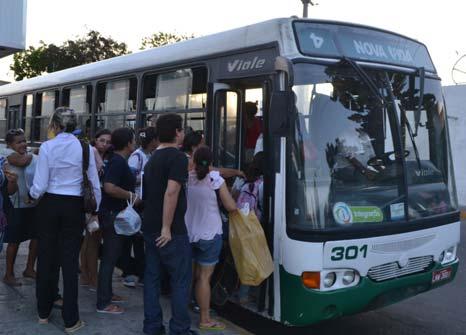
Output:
(256, 168)
(202, 160)
(146, 136)
(193, 139)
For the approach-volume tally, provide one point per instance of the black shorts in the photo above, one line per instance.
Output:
(21, 225)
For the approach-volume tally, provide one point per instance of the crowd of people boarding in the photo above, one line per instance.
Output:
(160, 173)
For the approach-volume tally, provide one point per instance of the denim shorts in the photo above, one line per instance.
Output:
(207, 252)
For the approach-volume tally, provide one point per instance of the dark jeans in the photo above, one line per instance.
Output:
(111, 251)
(60, 227)
(175, 258)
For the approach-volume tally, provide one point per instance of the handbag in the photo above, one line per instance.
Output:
(128, 221)
(89, 201)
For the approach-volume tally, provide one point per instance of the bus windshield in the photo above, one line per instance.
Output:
(369, 147)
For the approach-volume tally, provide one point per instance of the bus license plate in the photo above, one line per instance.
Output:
(441, 275)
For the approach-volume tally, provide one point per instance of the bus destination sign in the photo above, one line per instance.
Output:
(336, 40)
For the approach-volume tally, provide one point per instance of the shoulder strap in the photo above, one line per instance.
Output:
(140, 160)
(86, 154)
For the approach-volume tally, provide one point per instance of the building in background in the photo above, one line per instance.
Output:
(12, 26)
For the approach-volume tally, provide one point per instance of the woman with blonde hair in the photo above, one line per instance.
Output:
(58, 184)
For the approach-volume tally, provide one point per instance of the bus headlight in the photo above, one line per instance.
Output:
(329, 279)
(348, 277)
(448, 255)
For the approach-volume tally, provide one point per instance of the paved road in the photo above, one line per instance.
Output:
(18, 314)
(438, 312)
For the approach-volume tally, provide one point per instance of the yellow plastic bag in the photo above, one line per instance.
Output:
(249, 248)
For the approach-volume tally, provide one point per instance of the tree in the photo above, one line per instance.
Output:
(162, 38)
(49, 58)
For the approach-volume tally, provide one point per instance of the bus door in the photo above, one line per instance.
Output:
(227, 118)
(239, 127)
(14, 117)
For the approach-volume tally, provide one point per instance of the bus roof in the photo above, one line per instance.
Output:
(278, 30)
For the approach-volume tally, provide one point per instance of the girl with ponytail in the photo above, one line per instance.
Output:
(204, 225)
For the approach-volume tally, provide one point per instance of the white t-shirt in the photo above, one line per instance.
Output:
(137, 161)
(18, 198)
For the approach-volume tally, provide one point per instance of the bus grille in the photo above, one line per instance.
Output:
(393, 270)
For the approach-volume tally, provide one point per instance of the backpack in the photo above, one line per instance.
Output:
(249, 194)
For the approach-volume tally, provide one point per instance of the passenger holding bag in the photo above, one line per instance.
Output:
(128, 221)
(249, 247)
(119, 187)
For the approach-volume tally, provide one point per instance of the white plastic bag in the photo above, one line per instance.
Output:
(128, 221)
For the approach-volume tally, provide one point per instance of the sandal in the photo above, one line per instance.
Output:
(212, 325)
(44, 321)
(111, 309)
(12, 282)
(80, 324)
(31, 275)
(116, 299)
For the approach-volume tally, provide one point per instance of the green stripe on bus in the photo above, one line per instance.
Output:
(301, 306)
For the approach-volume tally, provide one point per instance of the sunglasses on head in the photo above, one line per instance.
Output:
(16, 132)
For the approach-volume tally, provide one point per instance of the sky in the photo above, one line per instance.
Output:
(437, 24)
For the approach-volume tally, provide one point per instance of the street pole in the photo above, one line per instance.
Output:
(306, 7)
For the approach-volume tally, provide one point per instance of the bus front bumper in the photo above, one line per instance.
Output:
(301, 306)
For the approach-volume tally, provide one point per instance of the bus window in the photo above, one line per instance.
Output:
(116, 97)
(116, 104)
(27, 115)
(182, 91)
(116, 121)
(79, 98)
(177, 90)
(227, 107)
(48, 102)
(3, 117)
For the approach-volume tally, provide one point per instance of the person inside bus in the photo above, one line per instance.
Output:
(194, 140)
(253, 129)
(352, 151)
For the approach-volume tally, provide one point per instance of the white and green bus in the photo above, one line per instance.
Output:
(360, 207)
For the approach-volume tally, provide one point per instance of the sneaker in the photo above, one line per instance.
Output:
(129, 281)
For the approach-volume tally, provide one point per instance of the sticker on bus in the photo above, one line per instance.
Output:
(441, 275)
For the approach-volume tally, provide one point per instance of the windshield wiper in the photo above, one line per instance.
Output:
(370, 83)
(399, 108)
(417, 115)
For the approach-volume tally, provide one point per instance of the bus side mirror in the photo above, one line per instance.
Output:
(280, 106)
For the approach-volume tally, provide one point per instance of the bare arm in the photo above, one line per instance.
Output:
(227, 199)
(170, 200)
(19, 160)
(116, 191)
(228, 173)
(12, 178)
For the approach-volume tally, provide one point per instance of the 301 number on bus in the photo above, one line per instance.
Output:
(349, 253)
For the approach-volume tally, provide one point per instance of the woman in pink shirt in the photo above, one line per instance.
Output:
(204, 226)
